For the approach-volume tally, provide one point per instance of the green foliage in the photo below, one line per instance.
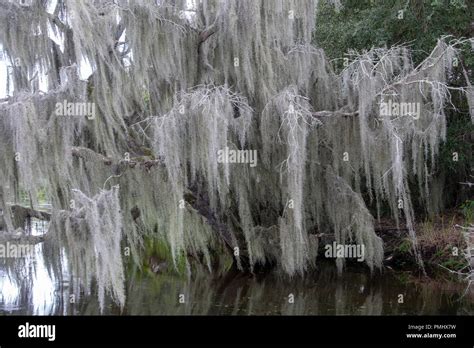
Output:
(358, 26)
(457, 141)
(454, 264)
(162, 251)
(403, 277)
(445, 258)
(146, 98)
(361, 25)
(468, 210)
(405, 246)
(42, 197)
(456, 154)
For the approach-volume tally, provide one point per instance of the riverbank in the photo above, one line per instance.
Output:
(440, 242)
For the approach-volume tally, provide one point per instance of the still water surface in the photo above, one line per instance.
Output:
(322, 293)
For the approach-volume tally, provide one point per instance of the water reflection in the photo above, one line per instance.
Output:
(26, 287)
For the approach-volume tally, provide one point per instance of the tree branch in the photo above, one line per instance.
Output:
(206, 33)
(202, 57)
(18, 210)
(198, 201)
(22, 238)
(338, 113)
(88, 154)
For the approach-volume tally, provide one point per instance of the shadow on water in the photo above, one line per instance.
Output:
(26, 287)
(321, 293)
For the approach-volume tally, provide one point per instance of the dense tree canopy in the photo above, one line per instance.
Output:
(132, 153)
